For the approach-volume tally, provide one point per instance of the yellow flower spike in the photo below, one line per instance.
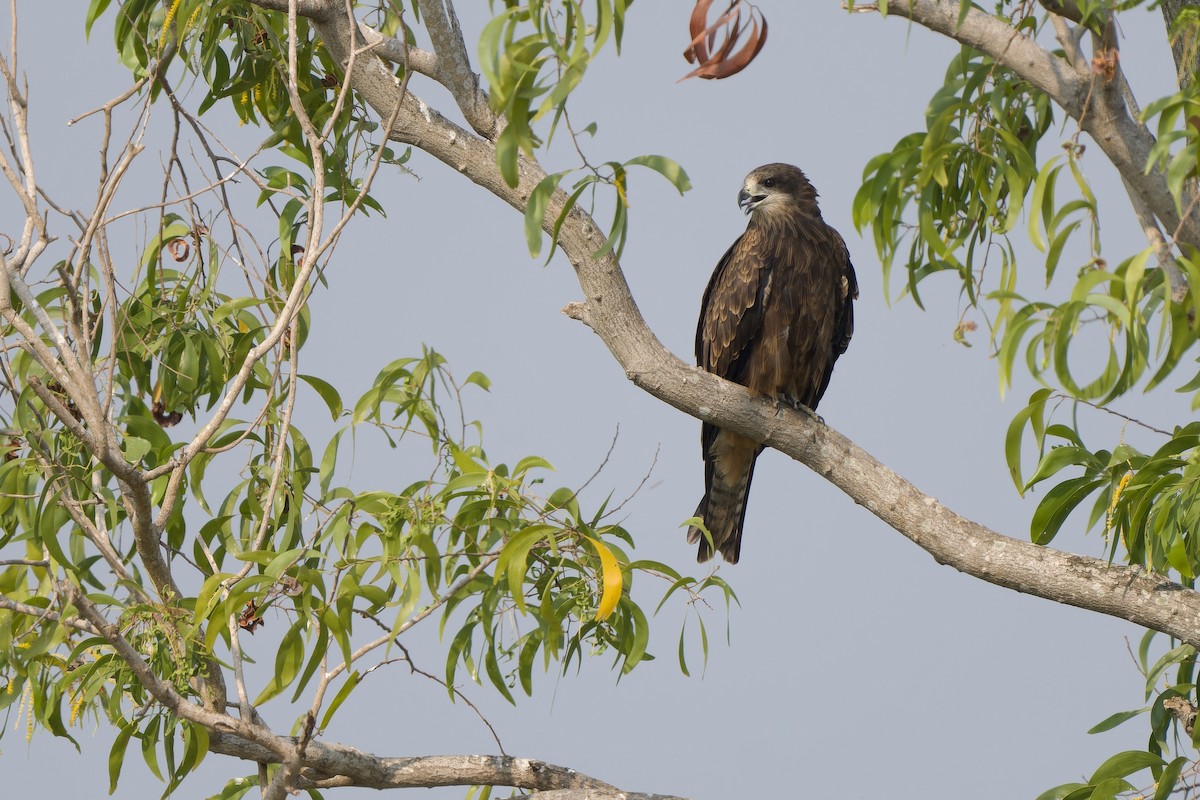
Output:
(1112, 507)
(162, 35)
(27, 704)
(611, 578)
(187, 26)
(620, 184)
(76, 705)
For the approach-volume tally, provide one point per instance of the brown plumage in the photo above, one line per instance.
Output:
(777, 313)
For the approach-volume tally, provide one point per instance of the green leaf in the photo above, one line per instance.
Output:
(149, 739)
(288, 661)
(665, 167)
(116, 756)
(1109, 788)
(1016, 429)
(477, 378)
(492, 667)
(683, 649)
(1061, 792)
(1059, 502)
(507, 154)
(134, 448)
(1125, 763)
(1169, 777)
(333, 400)
(1057, 459)
(350, 684)
(95, 9)
(513, 560)
(535, 211)
(1116, 719)
(329, 462)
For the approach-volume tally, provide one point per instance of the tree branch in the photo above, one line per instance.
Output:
(420, 61)
(333, 765)
(1183, 42)
(1067, 9)
(17, 607)
(454, 67)
(216, 722)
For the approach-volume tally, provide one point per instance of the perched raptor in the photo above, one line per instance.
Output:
(777, 313)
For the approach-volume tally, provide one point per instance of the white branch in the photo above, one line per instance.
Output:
(454, 67)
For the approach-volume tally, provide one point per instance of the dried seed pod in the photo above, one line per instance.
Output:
(712, 46)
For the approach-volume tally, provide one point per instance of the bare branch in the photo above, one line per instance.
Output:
(1063, 8)
(16, 607)
(1069, 37)
(420, 61)
(331, 765)
(454, 67)
(316, 10)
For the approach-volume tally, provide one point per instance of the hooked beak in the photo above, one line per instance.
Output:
(747, 201)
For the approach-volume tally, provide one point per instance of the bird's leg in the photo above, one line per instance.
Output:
(796, 404)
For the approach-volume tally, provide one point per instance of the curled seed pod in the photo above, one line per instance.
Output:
(179, 249)
(712, 47)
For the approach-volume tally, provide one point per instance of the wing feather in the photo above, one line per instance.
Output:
(731, 319)
(731, 313)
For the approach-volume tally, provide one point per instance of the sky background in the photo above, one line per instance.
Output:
(856, 665)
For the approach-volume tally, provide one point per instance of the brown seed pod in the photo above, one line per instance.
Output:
(249, 620)
(712, 46)
(164, 418)
(179, 249)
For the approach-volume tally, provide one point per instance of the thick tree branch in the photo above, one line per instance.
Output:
(316, 10)
(454, 67)
(332, 765)
(1089, 583)
(420, 61)
(1184, 46)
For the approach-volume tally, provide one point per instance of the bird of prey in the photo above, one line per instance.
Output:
(777, 313)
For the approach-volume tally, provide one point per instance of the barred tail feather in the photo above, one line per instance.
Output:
(723, 507)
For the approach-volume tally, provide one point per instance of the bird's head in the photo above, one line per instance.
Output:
(776, 187)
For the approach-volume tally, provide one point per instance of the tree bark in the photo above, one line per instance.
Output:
(1184, 44)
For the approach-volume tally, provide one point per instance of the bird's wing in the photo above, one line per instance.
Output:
(846, 290)
(845, 319)
(731, 321)
(731, 314)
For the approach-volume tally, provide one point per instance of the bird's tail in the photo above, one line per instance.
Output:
(723, 507)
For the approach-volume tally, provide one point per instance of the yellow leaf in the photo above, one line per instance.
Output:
(613, 581)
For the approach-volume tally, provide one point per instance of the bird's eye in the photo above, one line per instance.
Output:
(769, 183)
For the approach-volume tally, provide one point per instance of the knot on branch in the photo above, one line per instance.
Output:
(1183, 710)
(578, 311)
